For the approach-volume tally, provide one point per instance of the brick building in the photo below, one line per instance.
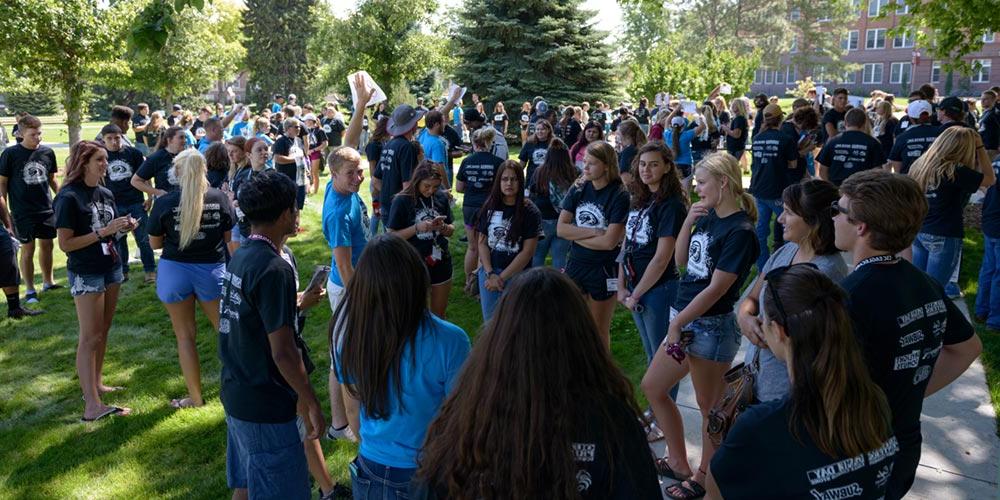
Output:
(891, 64)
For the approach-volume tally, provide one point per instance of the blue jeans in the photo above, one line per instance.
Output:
(988, 298)
(487, 299)
(266, 459)
(138, 213)
(372, 480)
(558, 247)
(936, 255)
(765, 209)
(654, 319)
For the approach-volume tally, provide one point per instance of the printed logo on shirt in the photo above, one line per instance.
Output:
(119, 170)
(538, 156)
(922, 373)
(910, 317)
(584, 452)
(100, 214)
(637, 228)
(849, 491)
(934, 308)
(939, 327)
(590, 215)
(907, 361)
(911, 338)
(172, 176)
(931, 352)
(497, 231)
(583, 480)
(34, 173)
(890, 448)
(835, 470)
(365, 220)
(699, 262)
(883, 475)
(425, 214)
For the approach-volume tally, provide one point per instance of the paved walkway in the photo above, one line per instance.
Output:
(961, 451)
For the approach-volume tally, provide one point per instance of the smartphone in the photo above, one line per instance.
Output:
(318, 278)
(439, 218)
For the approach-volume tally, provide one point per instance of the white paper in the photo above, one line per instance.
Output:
(377, 94)
(658, 100)
(230, 92)
(689, 107)
(856, 101)
(820, 90)
(451, 91)
(725, 89)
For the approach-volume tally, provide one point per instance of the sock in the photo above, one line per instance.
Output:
(13, 302)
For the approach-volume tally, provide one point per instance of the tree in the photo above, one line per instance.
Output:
(694, 77)
(949, 30)
(516, 49)
(646, 25)
(150, 33)
(61, 45)
(277, 34)
(819, 26)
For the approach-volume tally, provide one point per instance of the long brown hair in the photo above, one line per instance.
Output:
(381, 313)
(811, 200)
(670, 184)
(541, 375)
(79, 156)
(833, 397)
(495, 200)
(629, 129)
(557, 168)
(426, 170)
(168, 134)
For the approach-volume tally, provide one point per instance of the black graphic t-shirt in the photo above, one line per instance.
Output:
(86, 209)
(770, 175)
(454, 141)
(642, 115)
(477, 171)
(548, 202)
(850, 152)
(599, 117)
(593, 208)
(991, 206)
(496, 225)
(834, 117)
(946, 203)
(121, 165)
(334, 129)
(989, 128)
(911, 144)
(395, 165)
(208, 245)
(728, 245)
(633, 474)
(902, 318)
(407, 211)
(217, 178)
(571, 132)
(141, 137)
(734, 145)
(373, 150)
(625, 158)
(159, 166)
(532, 156)
(258, 298)
(796, 468)
(498, 119)
(316, 137)
(643, 230)
(286, 146)
(27, 172)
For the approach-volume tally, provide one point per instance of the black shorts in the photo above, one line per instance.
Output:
(31, 228)
(593, 278)
(9, 276)
(441, 271)
(469, 215)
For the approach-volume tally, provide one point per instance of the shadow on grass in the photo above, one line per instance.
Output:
(972, 256)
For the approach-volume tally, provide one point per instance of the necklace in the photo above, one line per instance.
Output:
(261, 237)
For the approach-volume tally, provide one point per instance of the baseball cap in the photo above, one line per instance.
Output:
(177, 107)
(917, 108)
(403, 119)
(309, 116)
(773, 110)
(542, 107)
(678, 121)
(952, 104)
(291, 96)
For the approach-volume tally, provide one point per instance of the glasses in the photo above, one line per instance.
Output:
(776, 274)
(835, 206)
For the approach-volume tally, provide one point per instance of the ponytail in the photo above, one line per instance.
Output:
(748, 204)
(725, 166)
(675, 139)
(190, 170)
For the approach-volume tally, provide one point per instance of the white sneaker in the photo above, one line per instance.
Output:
(345, 433)
(31, 297)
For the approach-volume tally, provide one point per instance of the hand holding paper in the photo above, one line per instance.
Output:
(362, 82)
(455, 93)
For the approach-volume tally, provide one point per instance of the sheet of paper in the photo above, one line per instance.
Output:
(856, 101)
(689, 107)
(725, 89)
(377, 94)
(451, 91)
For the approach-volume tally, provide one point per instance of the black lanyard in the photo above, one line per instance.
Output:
(261, 237)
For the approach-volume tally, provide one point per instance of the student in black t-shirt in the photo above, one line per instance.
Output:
(192, 225)
(500, 118)
(759, 103)
(217, 166)
(547, 187)
(317, 144)
(87, 224)
(833, 120)
(884, 128)
(398, 159)
(373, 152)
(257, 153)
(475, 181)
(144, 139)
(290, 158)
(532, 153)
(642, 115)
(949, 172)
(737, 129)
(593, 218)
(159, 166)
(775, 166)
(630, 138)
(524, 119)
(264, 365)
(915, 340)
(853, 150)
(597, 451)
(717, 246)
(507, 233)
(570, 127)
(593, 131)
(989, 122)
(988, 295)
(916, 139)
(832, 437)
(421, 214)
(27, 174)
(10, 278)
(333, 125)
(123, 162)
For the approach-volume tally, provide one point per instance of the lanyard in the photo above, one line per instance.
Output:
(261, 237)
(630, 244)
(876, 259)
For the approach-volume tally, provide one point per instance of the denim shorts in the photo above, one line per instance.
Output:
(176, 281)
(714, 338)
(267, 459)
(80, 284)
(371, 480)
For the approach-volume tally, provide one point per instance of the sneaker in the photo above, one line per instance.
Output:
(23, 313)
(31, 297)
(333, 434)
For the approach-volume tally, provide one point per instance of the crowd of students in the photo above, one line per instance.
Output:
(849, 319)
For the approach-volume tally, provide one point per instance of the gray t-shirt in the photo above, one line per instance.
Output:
(772, 379)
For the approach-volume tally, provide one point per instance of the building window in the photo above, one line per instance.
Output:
(899, 72)
(758, 76)
(850, 41)
(823, 19)
(848, 77)
(872, 73)
(790, 74)
(779, 76)
(935, 72)
(856, 7)
(819, 74)
(768, 77)
(875, 39)
(875, 7)
(902, 42)
(982, 74)
(902, 8)
(989, 37)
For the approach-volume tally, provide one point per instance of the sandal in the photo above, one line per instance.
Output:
(183, 403)
(112, 410)
(692, 490)
(150, 279)
(663, 469)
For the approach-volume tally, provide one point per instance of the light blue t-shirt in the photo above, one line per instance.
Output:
(203, 145)
(345, 224)
(189, 140)
(275, 107)
(429, 367)
(435, 147)
(684, 158)
(241, 129)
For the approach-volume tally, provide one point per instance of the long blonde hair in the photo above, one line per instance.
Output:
(189, 167)
(955, 147)
(741, 107)
(605, 153)
(723, 165)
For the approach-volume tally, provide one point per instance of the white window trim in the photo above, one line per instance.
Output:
(864, 72)
(768, 77)
(987, 65)
(989, 37)
(878, 4)
(899, 74)
(905, 41)
(905, 8)
(936, 65)
(874, 39)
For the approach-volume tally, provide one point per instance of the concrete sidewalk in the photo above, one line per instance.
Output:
(960, 454)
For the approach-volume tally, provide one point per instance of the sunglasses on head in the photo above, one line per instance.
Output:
(776, 274)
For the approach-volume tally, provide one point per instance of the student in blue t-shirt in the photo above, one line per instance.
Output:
(396, 360)
(435, 147)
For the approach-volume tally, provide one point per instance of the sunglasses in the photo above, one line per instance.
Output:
(835, 206)
(776, 274)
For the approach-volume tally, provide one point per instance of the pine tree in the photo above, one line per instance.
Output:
(516, 49)
(277, 33)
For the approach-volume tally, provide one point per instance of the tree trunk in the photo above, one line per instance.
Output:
(73, 103)
(168, 102)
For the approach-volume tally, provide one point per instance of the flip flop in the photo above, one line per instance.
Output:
(114, 410)
(693, 490)
(663, 469)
